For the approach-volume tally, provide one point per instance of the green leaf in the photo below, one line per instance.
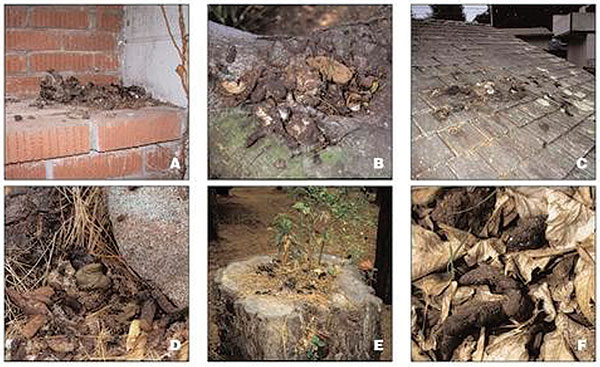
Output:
(301, 207)
(374, 86)
(315, 340)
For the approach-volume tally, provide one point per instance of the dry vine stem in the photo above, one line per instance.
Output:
(181, 70)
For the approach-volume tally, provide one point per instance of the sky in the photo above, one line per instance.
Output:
(471, 11)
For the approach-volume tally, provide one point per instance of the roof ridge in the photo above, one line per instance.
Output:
(448, 21)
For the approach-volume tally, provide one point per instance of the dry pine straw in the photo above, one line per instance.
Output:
(258, 283)
(84, 223)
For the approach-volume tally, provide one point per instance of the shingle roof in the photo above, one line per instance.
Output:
(487, 105)
(534, 31)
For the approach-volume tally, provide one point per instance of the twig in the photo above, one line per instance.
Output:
(164, 13)
(183, 50)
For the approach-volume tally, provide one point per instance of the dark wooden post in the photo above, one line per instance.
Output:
(383, 256)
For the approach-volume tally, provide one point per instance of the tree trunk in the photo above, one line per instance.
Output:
(383, 256)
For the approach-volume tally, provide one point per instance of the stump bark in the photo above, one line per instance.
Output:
(265, 327)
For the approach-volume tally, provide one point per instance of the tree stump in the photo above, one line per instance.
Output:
(341, 325)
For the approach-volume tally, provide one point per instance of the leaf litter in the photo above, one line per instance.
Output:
(503, 273)
(70, 295)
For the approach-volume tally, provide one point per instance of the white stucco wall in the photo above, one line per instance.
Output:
(149, 57)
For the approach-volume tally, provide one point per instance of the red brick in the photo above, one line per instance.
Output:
(40, 139)
(25, 171)
(109, 9)
(15, 64)
(141, 127)
(86, 41)
(159, 158)
(64, 61)
(99, 166)
(22, 85)
(15, 16)
(109, 22)
(64, 18)
(100, 79)
(33, 40)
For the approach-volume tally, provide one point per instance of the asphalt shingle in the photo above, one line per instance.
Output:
(488, 105)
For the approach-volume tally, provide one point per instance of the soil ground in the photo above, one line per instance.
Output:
(243, 219)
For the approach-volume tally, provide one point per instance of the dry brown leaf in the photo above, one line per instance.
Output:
(33, 325)
(510, 346)
(563, 295)
(462, 237)
(60, 344)
(135, 344)
(447, 301)
(42, 294)
(485, 251)
(569, 221)
(417, 354)
(424, 195)
(526, 262)
(562, 343)
(434, 284)
(585, 280)
(529, 201)
(479, 352)
(429, 252)
(31, 303)
(542, 292)
(462, 295)
(414, 320)
(585, 195)
(575, 333)
(463, 352)
(555, 348)
(333, 70)
(233, 87)
(493, 225)
(183, 354)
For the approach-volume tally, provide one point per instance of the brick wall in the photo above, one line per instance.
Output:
(53, 144)
(75, 40)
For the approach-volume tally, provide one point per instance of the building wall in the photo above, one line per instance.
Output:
(88, 42)
(591, 49)
(581, 50)
(149, 57)
(75, 40)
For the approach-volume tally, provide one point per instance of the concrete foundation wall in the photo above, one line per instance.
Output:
(149, 57)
